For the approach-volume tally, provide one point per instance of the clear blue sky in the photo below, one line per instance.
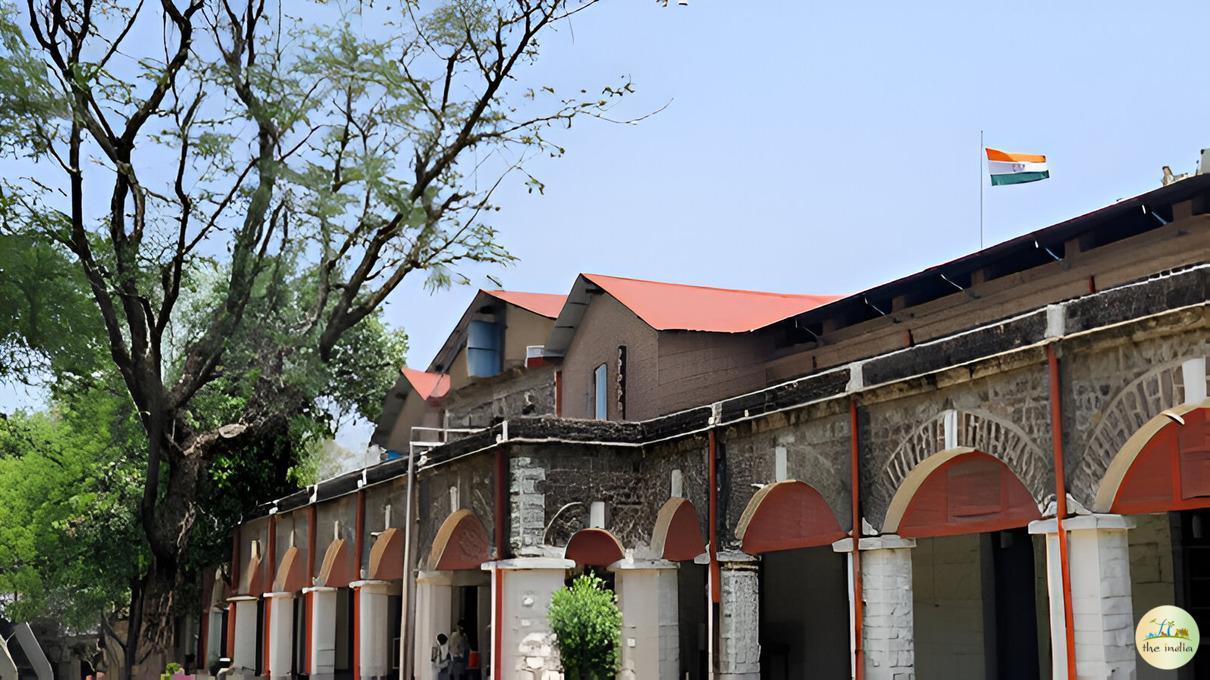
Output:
(830, 146)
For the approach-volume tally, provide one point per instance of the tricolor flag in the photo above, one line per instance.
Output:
(1015, 168)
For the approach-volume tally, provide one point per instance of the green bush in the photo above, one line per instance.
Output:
(586, 619)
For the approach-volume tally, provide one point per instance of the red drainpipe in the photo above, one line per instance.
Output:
(712, 479)
(558, 393)
(855, 494)
(1056, 438)
(234, 591)
(203, 633)
(502, 551)
(312, 530)
(270, 576)
(359, 525)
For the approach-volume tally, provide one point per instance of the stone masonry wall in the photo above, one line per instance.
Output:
(816, 444)
(1117, 380)
(1004, 413)
(474, 478)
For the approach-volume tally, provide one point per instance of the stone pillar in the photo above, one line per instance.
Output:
(279, 608)
(214, 640)
(527, 649)
(321, 638)
(738, 656)
(887, 637)
(373, 643)
(434, 594)
(1099, 557)
(243, 648)
(647, 596)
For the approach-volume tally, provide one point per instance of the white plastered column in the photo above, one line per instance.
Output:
(373, 637)
(887, 633)
(243, 653)
(1099, 557)
(527, 647)
(738, 656)
(434, 595)
(214, 639)
(322, 637)
(647, 596)
(281, 634)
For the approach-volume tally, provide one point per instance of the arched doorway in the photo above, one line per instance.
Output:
(977, 598)
(1161, 477)
(804, 606)
(453, 589)
(677, 537)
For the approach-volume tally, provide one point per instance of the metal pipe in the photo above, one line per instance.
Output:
(312, 538)
(501, 507)
(406, 631)
(714, 589)
(855, 495)
(1056, 438)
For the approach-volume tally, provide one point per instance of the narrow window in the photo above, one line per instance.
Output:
(600, 387)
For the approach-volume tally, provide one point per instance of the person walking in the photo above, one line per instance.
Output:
(458, 652)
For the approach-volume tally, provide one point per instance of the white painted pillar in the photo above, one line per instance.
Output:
(738, 656)
(527, 648)
(647, 596)
(243, 654)
(434, 594)
(887, 634)
(1099, 557)
(280, 607)
(214, 639)
(322, 638)
(373, 636)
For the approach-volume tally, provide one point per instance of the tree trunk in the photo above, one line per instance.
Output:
(151, 633)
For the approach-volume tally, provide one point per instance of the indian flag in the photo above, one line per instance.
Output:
(1015, 168)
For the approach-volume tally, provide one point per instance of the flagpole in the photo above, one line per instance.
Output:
(980, 189)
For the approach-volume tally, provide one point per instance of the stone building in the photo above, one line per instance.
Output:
(986, 469)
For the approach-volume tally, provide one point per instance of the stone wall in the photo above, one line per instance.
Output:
(514, 393)
(816, 444)
(1115, 381)
(474, 479)
(1151, 573)
(948, 605)
(1003, 412)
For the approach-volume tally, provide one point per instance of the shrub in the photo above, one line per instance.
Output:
(586, 620)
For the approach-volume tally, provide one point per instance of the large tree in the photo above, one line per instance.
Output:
(243, 184)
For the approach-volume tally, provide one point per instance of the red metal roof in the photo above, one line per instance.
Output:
(674, 306)
(428, 385)
(542, 304)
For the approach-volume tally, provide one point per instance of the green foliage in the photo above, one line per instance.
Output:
(206, 208)
(69, 484)
(587, 622)
(48, 324)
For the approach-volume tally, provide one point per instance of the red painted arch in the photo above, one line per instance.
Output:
(386, 556)
(1171, 471)
(970, 493)
(678, 533)
(785, 516)
(594, 547)
(337, 569)
(461, 543)
(291, 573)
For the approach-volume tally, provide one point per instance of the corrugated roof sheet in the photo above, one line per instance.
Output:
(674, 306)
(427, 385)
(542, 304)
